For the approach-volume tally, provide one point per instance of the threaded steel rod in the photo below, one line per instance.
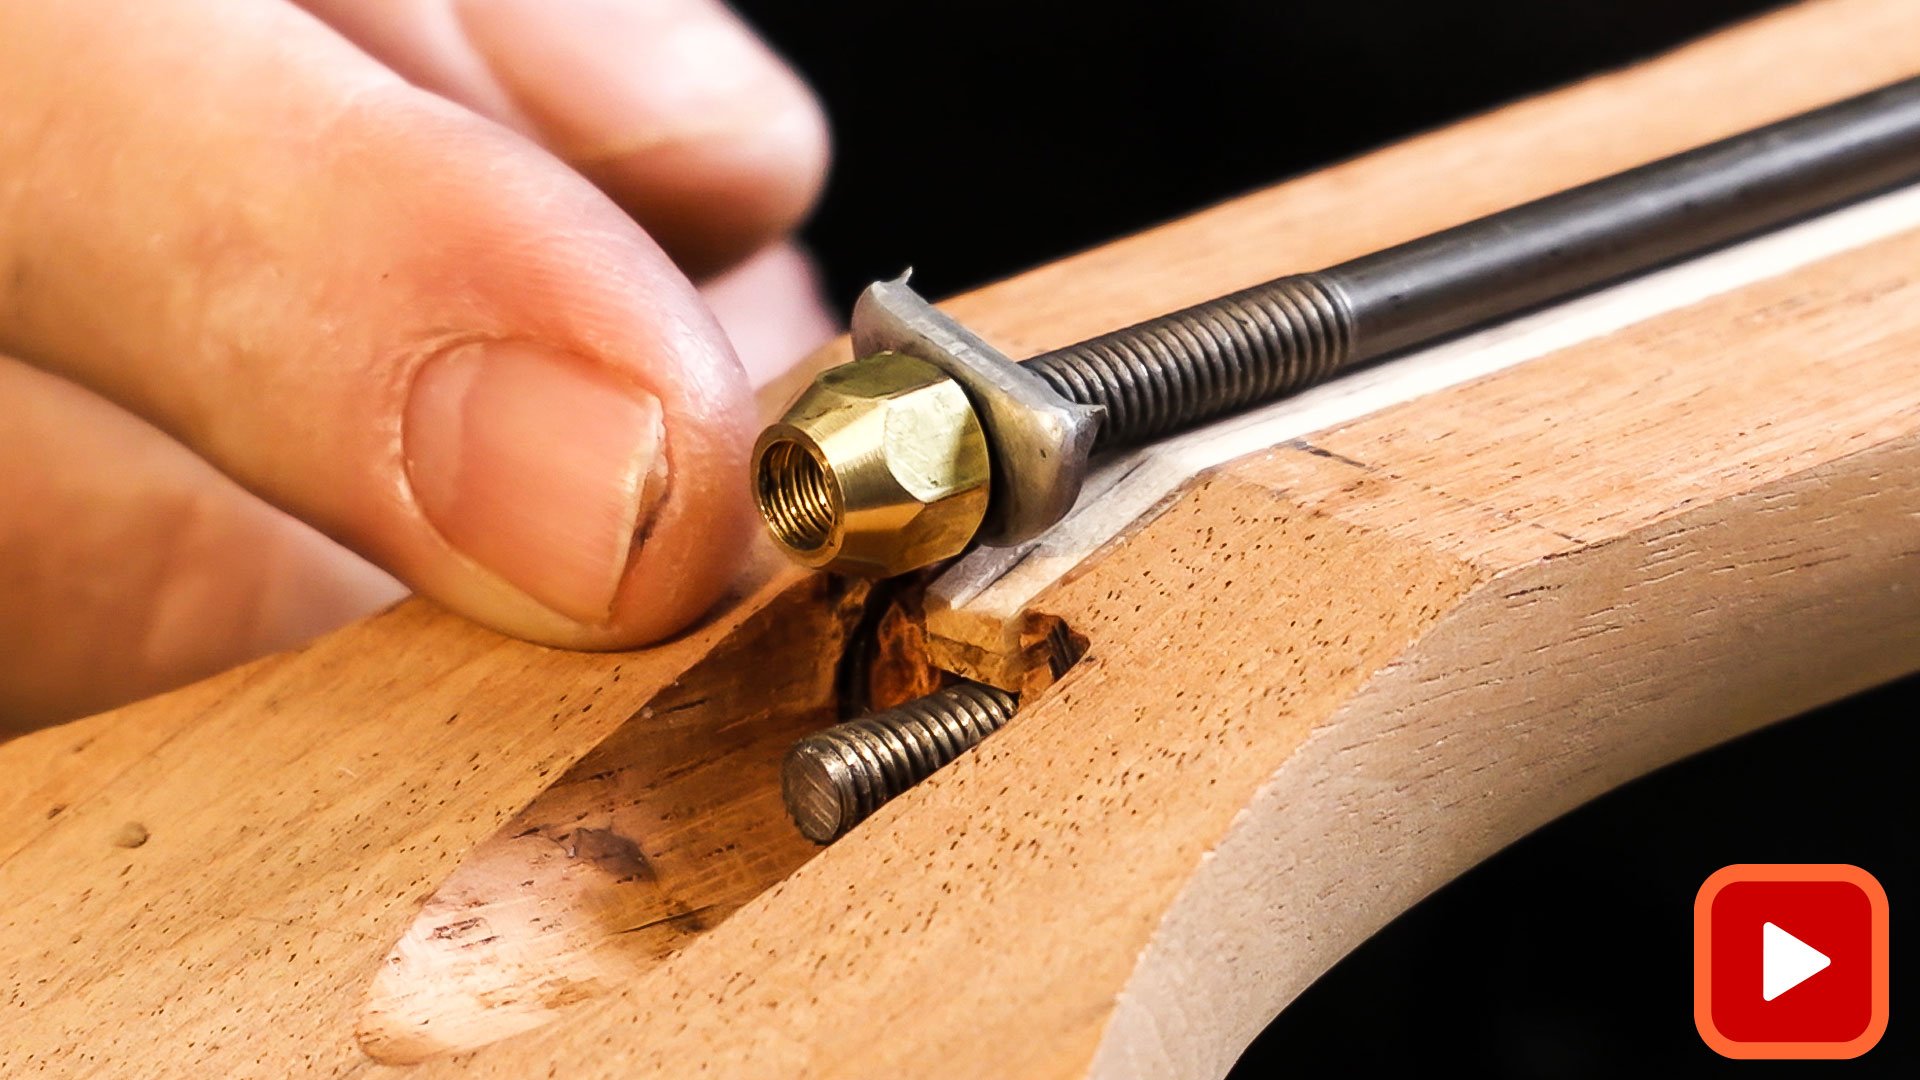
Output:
(834, 779)
(1289, 333)
(1279, 337)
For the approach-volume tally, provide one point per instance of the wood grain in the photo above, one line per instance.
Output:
(1321, 681)
(656, 836)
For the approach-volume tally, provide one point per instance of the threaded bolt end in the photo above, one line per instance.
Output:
(1213, 358)
(834, 779)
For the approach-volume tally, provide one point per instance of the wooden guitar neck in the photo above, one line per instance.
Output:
(1336, 653)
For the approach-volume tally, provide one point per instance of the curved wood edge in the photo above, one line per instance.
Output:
(1020, 915)
(1549, 684)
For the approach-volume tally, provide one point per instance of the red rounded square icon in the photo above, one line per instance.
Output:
(1790, 961)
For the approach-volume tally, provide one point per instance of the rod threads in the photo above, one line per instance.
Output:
(834, 779)
(1213, 358)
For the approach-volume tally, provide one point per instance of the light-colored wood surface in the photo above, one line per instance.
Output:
(1322, 680)
(656, 836)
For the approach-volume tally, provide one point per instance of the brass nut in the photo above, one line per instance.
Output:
(879, 468)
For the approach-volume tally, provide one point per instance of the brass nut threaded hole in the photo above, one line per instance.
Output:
(796, 497)
(879, 467)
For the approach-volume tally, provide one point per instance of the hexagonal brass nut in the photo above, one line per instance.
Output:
(879, 468)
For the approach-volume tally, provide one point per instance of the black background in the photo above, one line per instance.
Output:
(976, 139)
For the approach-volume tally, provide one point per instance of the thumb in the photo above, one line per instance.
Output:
(398, 321)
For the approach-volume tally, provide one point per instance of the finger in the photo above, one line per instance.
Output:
(674, 107)
(773, 311)
(129, 566)
(392, 318)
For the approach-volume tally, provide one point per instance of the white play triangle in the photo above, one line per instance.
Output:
(1786, 961)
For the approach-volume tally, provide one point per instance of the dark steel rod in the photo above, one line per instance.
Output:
(1630, 222)
(1272, 339)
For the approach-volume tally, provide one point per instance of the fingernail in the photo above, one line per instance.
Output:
(607, 77)
(537, 465)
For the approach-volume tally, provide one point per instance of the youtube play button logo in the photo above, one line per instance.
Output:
(1786, 961)
(1790, 961)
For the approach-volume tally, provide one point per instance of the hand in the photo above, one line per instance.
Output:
(458, 339)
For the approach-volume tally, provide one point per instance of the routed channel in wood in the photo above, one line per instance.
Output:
(661, 832)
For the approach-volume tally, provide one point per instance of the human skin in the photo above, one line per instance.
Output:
(306, 305)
